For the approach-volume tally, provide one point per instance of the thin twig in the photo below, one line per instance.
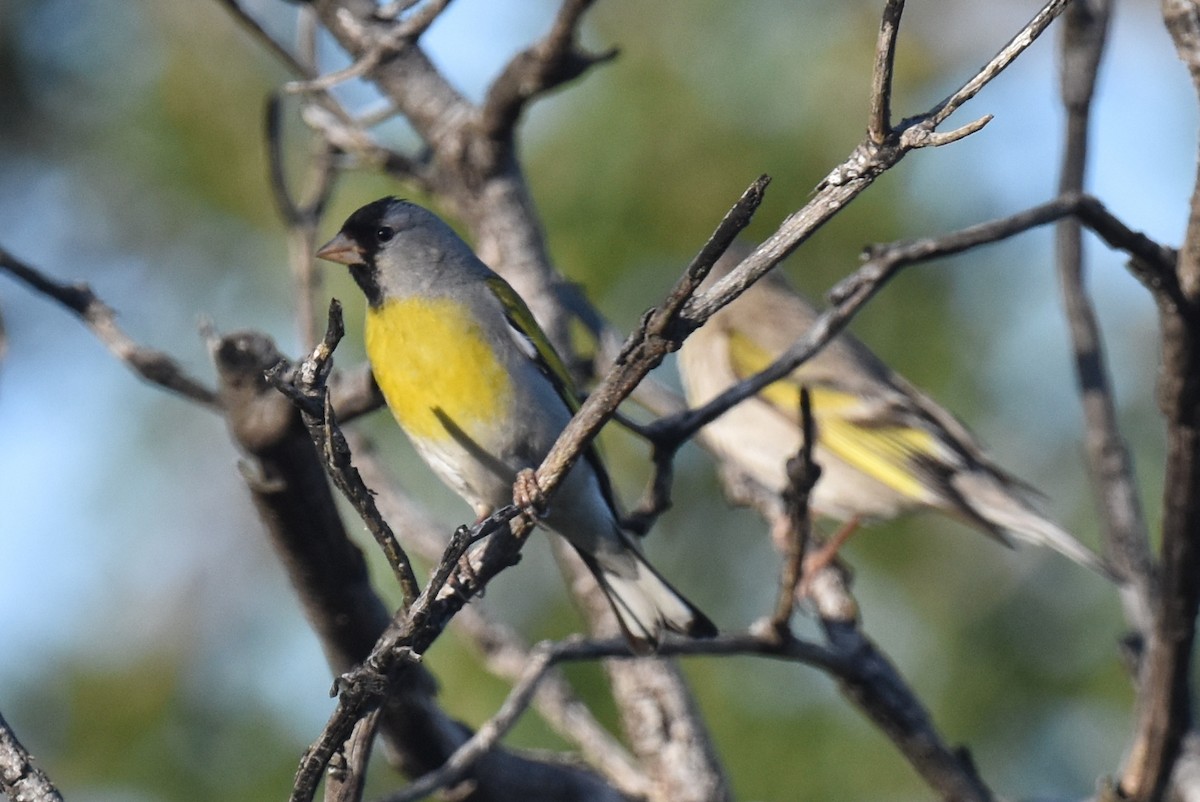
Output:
(307, 388)
(503, 651)
(879, 122)
(327, 81)
(1017, 45)
(866, 162)
(866, 677)
(549, 63)
(885, 261)
(802, 474)
(1109, 462)
(548, 654)
(661, 331)
(280, 51)
(383, 44)
(348, 136)
(488, 735)
(412, 631)
(345, 783)
(301, 216)
(156, 367)
(416, 25)
(1165, 699)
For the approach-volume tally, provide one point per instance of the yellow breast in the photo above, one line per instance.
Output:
(432, 363)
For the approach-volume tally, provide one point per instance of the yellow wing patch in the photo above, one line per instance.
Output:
(885, 452)
(552, 366)
(430, 359)
(523, 320)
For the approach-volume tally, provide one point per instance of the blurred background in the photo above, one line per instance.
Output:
(150, 647)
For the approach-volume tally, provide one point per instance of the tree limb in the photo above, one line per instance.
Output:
(1164, 712)
(503, 651)
(156, 367)
(1109, 462)
(551, 62)
(20, 780)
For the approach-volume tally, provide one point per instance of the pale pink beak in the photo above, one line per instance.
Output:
(341, 249)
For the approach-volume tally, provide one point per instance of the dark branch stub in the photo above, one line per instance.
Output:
(803, 474)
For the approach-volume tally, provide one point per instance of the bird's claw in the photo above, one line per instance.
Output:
(527, 493)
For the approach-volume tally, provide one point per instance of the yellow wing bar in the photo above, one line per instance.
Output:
(887, 452)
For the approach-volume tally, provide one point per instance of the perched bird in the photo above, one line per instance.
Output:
(478, 388)
(883, 446)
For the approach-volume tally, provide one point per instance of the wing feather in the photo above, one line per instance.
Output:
(882, 446)
(536, 346)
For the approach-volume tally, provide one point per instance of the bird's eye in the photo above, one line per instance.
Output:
(384, 233)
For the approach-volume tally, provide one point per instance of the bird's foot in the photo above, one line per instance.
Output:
(527, 493)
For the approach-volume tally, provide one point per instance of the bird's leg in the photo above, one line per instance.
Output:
(818, 560)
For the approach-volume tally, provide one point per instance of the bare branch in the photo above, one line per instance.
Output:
(380, 43)
(293, 210)
(549, 63)
(999, 62)
(803, 475)
(19, 778)
(301, 218)
(660, 332)
(156, 367)
(346, 136)
(868, 161)
(879, 123)
(504, 652)
(413, 631)
(1109, 463)
(323, 83)
(1165, 705)
(416, 25)
(307, 389)
(281, 52)
(488, 735)
(884, 262)
(348, 775)
(921, 137)
(866, 677)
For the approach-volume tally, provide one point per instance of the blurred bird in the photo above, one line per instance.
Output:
(883, 446)
(478, 388)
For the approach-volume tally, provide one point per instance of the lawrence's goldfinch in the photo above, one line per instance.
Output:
(477, 387)
(883, 446)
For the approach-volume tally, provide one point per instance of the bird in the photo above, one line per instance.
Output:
(478, 388)
(883, 446)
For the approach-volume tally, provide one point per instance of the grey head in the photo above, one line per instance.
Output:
(395, 248)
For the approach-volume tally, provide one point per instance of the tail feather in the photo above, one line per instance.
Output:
(644, 602)
(999, 506)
